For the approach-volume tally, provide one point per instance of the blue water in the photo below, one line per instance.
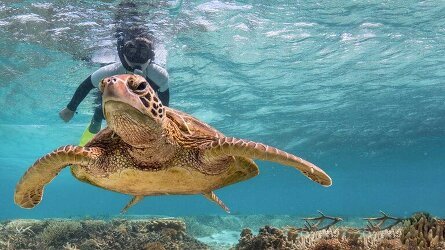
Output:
(357, 88)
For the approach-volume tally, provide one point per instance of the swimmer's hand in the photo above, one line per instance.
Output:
(66, 114)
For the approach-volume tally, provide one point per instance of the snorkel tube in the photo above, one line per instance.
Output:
(120, 51)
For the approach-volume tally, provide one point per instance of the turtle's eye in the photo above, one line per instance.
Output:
(138, 87)
(141, 86)
(134, 84)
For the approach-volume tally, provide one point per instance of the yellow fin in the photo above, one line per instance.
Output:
(86, 137)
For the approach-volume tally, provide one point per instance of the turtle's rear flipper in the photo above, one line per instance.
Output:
(133, 202)
(29, 190)
(212, 196)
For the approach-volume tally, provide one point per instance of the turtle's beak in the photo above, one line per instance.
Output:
(124, 111)
(107, 81)
(114, 91)
(112, 87)
(116, 88)
(133, 91)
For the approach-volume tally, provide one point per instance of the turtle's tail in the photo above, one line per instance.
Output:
(29, 189)
(239, 147)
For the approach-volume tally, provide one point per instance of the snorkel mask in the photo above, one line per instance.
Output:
(137, 51)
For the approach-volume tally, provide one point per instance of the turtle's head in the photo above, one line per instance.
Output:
(132, 109)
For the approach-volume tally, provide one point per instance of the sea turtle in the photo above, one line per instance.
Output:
(149, 149)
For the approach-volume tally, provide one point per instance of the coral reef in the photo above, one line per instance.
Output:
(423, 231)
(333, 238)
(375, 224)
(313, 224)
(97, 234)
(268, 238)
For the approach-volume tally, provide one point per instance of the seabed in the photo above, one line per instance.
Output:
(420, 231)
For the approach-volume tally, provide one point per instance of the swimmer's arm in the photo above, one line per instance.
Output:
(93, 81)
(165, 97)
(81, 92)
(158, 75)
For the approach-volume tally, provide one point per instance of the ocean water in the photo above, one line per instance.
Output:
(356, 87)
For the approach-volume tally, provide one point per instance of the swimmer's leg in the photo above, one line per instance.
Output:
(96, 121)
(95, 124)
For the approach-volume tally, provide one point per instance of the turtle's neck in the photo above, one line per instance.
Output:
(155, 151)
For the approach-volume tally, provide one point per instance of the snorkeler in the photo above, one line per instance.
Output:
(136, 54)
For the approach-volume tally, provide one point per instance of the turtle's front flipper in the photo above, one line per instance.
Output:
(212, 196)
(239, 147)
(133, 201)
(29, 190)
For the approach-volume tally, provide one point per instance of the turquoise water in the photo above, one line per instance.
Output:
(357, 88)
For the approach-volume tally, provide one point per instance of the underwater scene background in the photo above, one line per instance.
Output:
(356, 87)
